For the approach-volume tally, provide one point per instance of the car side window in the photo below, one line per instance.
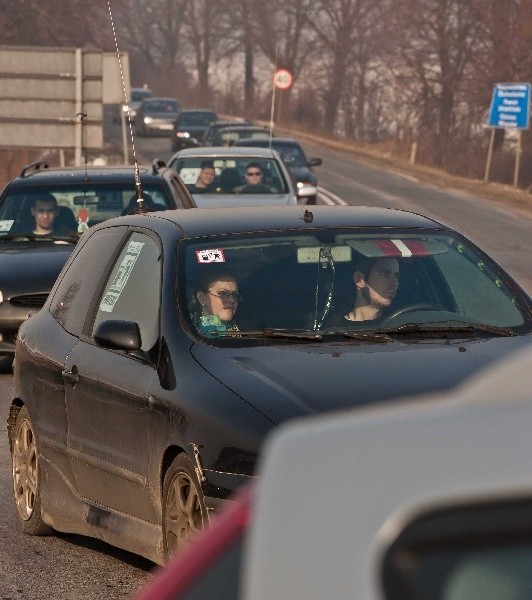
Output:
(74, 290)
(132, 291)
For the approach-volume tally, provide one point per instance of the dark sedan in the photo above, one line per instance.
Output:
(143, 392)
(80, 197)
(156, 116)
(189, 128)
(293, 157)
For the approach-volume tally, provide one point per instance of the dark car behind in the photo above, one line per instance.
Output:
(189, 128)
(29, 264)
(293, 156)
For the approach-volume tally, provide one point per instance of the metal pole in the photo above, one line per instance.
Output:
(490, 152)
(271, 113)
(124, 135)
(518, 151)
(78, 127)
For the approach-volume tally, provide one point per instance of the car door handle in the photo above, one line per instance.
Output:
(71, 376)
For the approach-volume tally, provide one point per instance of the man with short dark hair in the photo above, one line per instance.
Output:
(253, 175)
(204, 182)
(376, 281)
(44, 210)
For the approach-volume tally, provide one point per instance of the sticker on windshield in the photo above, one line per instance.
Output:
(6, 224)
(216, 255)
(121, 276)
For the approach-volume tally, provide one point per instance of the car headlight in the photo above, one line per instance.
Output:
(182, 134)
(1, 297)
(148, 120)
(124, 108)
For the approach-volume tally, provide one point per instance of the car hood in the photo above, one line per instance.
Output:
(226, 200)
(284, 382)
(304, 174)
(31, 267)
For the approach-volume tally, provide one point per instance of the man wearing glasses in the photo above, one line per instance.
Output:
(254, 184)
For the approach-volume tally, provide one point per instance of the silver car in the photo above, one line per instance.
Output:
(220, 177)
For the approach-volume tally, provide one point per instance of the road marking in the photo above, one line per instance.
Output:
(330, 198)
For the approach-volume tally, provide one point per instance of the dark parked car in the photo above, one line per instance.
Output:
(293, 157)
(213, 128)
(227, 136)
(156, 116)
(189, 128)
(143, 392)
(85, 196)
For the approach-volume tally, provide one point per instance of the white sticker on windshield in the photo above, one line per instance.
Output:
(121, 276)
(6, 224)
(215, 255)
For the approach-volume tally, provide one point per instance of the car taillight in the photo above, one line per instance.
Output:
(225, 530)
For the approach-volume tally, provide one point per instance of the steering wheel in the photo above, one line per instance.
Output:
(419, 306)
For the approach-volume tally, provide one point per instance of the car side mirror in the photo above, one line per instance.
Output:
(118, 335)
(314, 162)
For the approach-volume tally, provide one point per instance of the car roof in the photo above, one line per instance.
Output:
(213, 221)
(212, 151)
(209, 111)
(79, 175)
(275, 141)
(246, 128)
(364, 475)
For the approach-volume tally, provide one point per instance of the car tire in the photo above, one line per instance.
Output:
(312, 200)
(27, 482)
(184, 511)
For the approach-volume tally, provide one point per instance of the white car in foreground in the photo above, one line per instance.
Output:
(420, 500)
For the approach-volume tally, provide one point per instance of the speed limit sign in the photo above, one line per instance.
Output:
(282, 79)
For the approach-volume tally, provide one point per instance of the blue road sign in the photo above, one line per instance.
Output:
(510, 106)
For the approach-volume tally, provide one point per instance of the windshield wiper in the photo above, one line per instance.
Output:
(466, 327)
(269, 332)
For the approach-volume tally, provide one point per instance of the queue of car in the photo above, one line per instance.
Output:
(143, 394)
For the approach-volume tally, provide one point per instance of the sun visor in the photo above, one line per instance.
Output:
(400, 248)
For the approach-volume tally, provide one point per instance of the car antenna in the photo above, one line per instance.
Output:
(140, 208)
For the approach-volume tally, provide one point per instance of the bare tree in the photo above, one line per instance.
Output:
(153, 31)
(437, 42)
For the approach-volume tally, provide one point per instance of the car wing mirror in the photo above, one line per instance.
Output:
(118, 335)
(314, 162)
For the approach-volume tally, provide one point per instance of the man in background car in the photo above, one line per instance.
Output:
(204, 182)
(44, 211)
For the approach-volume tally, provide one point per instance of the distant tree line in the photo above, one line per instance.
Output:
(387, 72)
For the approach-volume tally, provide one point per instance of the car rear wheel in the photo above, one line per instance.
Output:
(27, 476)
(184, 511)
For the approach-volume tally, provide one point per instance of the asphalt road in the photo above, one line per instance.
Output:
(74, 567)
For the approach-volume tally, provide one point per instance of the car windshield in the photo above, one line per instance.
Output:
(161, 106)
(233, 175)
(78, 207)
(292, 156)
(201, 119)
(229, 137)
(268, 285)
(139, 95)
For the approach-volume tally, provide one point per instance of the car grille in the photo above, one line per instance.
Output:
(33, 300)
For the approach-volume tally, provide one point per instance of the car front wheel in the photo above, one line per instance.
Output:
(184, 511)
(27, 476)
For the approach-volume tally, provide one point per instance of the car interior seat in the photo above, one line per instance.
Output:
(229, 180)
(65, 222)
